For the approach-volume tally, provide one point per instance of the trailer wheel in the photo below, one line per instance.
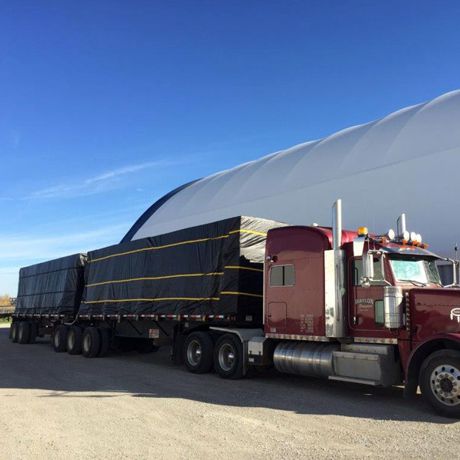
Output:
(23, 332)
(106, 335)
(228, 357)
(74, 340)
(198, 348)
(440, 382)
(33, 332)
(91, 342)
(60, 339)
(14, 332)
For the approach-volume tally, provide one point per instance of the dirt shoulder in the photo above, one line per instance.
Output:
(139, 406)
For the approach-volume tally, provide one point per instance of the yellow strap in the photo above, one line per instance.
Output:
(251, 232)
(154, 278)
(155, 248)
(238, 267)
(200, 240)
(240, 293)
(181, 275)
(158, 299)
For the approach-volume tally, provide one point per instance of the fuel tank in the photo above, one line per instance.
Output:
(311, 359)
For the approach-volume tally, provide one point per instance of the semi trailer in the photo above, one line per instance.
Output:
(242, 293)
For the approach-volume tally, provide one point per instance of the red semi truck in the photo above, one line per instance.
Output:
(341, 305)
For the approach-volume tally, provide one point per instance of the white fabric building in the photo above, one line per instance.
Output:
(408, 161)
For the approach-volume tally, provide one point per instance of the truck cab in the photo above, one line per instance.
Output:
(368, 308)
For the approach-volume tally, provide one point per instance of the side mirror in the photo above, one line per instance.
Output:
(368, 269)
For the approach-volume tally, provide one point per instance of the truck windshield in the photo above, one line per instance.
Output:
(416, 271)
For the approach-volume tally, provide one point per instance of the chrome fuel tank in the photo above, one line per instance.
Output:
(311, 359)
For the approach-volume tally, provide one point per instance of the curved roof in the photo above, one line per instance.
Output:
(408, 161)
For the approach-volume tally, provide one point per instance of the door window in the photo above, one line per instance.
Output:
(282, 275)
(358, 272)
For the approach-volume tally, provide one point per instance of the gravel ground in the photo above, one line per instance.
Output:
(142, 406)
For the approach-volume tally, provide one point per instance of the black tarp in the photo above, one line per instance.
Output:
(53, 287)
(211, 269)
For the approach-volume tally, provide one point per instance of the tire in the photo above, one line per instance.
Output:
(14, 332)
(197, 352)
(228, 357)
(106, 336)
(439, 382)
(74, 340)
(59, 339)
(91, 342)
(23, 332)
(33, 332)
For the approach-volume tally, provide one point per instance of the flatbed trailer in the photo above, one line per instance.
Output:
(314, 301)
(6, 312)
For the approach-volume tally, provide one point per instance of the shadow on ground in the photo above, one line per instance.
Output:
(37, 367)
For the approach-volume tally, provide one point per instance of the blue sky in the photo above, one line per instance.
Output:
(107, 105)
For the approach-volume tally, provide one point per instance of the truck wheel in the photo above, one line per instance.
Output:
(14, 332)
(228, 357)
(33, 332)
(91, 342)
(74, 340)
(198, 347)
(440, 382)
(23, 332)
(106, 335)
(60, 339)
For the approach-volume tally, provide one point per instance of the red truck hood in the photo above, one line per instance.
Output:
(434, 311)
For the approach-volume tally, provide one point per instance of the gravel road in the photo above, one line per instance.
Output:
(142, 406)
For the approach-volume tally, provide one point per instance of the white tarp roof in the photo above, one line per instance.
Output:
(408, 161)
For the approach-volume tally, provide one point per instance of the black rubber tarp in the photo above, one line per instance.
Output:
(53, 287)
(211, 269)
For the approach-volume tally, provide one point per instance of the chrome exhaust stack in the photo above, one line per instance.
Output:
(337, 225)
(334, 278)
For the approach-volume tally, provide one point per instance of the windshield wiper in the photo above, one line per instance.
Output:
(415, 283)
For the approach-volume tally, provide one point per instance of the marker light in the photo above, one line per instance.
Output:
(362, 231)
(419, 238)
(413, 236)
(406, 235)
(391, 234)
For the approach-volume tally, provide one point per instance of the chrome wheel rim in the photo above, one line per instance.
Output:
(70, 340)
(14, 334)
(86, 342)
(194, 352)
(445, 384)
(226, 357)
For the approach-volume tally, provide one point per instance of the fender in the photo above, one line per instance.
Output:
(421, 351)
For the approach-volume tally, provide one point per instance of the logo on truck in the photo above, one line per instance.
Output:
(455, 313)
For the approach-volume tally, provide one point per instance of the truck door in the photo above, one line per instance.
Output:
(365, 303)
(281, 277)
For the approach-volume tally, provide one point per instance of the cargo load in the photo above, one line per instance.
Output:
(52, 287)
(211, 269)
